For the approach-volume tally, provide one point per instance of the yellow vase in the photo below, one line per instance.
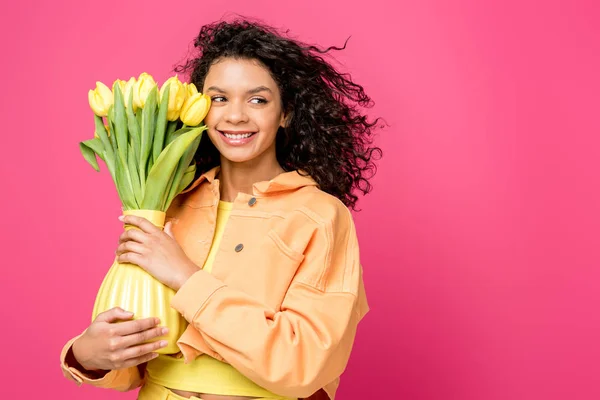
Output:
(133, 289)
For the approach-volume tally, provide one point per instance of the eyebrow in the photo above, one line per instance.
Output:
(256, 90)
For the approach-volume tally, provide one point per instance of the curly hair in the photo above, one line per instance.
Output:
(327, 136)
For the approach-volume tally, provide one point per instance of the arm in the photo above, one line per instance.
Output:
(304, 346)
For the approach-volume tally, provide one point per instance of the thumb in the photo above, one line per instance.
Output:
(169, 229)
(114, 314)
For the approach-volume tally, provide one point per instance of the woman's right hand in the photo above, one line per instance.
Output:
(115, 341)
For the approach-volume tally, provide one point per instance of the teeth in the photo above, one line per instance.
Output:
(244, 136)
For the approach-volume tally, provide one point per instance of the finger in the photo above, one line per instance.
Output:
(113, 315)
(140, 325)
(131, 258)
(142, 337)
(132, 362)
(143, 349)
(133, 247)
(133, 235)
(140, 222)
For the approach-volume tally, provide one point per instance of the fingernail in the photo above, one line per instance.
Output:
(121, 218)
(165, 331)
(156, 321)
(163, 343)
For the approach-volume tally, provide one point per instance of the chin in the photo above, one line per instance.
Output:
(237, 156)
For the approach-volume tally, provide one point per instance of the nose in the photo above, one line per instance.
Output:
(236, 113)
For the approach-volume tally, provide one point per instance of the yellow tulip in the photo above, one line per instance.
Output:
(107, 132)
(190, 89)
(195, 109)
(121, 83)
(100, 99)
(141, 88)
(127, 92)
(177, 95)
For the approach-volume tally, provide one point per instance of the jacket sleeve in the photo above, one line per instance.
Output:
(121, 380)
(299, 349)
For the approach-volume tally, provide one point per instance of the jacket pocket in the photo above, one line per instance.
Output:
(267, 271)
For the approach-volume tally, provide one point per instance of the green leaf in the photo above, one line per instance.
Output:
(188, 177)
(134, 129)
(110, 118)
(135, 178)
(179, 132)
(183, 165)
(89, 153)
(120, 124)
(165, 166)
(147, 131)
(125, 187)
(161, 123)
(150, 162)
(171, 128)
(107, 147)
(166, 192)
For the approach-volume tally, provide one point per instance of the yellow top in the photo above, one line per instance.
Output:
(206, 374)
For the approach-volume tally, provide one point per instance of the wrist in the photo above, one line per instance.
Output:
(184, 275)
(80, 360)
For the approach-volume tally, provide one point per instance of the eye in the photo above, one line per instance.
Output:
(218, 99)
(258, 100)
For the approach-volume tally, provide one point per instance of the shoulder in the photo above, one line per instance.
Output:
(322, 207)
(332, 259)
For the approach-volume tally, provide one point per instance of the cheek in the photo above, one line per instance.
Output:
(268, 122)
(211, 117)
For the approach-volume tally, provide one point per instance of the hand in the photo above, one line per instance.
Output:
(108, 344)
(156, 251)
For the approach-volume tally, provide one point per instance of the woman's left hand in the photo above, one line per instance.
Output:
(156, 251)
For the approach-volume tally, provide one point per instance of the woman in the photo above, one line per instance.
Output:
(261, 248)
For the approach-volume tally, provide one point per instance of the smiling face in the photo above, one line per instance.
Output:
(245, 113)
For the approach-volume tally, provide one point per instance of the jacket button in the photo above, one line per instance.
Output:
(239, 248)
(252, 201)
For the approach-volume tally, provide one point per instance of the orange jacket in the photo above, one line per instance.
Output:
(285, 294)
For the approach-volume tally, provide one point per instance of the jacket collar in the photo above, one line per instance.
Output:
(286, 181)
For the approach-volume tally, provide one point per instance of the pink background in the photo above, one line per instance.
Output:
(480, 242)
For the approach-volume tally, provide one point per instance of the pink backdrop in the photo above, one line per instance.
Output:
(480, 242)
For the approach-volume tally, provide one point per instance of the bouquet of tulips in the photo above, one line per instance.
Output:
(147, 138)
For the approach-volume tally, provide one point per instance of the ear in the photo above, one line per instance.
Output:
(285, 119)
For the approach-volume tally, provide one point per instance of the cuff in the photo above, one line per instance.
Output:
(194, 293)
(76, 375)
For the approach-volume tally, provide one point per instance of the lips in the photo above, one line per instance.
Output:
(237, 138)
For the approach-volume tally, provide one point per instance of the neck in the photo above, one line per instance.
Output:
(239, 177)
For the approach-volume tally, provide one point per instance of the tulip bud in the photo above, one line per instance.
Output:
(190, 89)
(142, 88)
(121, 84)
(100, 99)
(195, 109)
(127, 92)
(177, 95)
(107, 132)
